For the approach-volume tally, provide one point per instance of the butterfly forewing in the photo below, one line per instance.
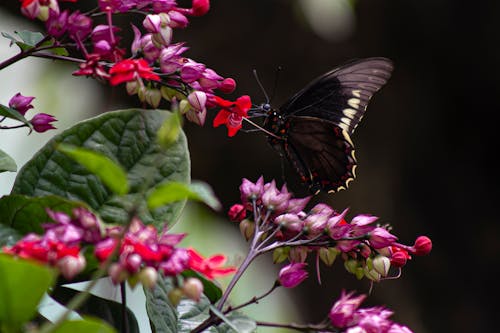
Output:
(342, 94)
(321, 153)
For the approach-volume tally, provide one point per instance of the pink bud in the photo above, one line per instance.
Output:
(292, 275)
(197, 99)
(163, 37)
(422, 246)
(42, 122)
(398, 259)
(193, 289)
(177, 19)
(200, 7)
(343, 311)
(380, 238)
(237, 213)
(70, 266)
(227, 86)
(152, 23)
(148, 277)
(21, 103)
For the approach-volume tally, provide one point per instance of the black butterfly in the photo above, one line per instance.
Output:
(313, 128)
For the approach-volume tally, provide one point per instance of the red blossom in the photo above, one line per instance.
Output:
(209, 267)
(232, 113)
(130, 70)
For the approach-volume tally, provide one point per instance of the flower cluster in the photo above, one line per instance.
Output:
(346, 316)
(40, 122)
(279, 223)
(142, 252)
(156, 68)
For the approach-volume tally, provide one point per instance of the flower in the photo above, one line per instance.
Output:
(292, 275)
(232, 113)
(193, 288)
(343, 311)
(422, 246)
(42, 122)
(130, 70)
(198, 110)
(209, 267)
(380, 238)
(21, 103)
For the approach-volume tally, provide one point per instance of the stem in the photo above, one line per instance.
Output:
(23, 54)
(254, 299)
(123, 293)
(298, 327)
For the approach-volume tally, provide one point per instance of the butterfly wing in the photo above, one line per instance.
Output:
(321, 152)
(341, 95)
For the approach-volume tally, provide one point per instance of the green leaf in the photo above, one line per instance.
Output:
(8, 236)
(110, 173)
(84, 326)
(170, 130)
(7, 163)
(5, 111)
(25, 39)
(162, 314)
(105, 309)
(26, 214)
(23, 285)
(174, 191)
(127, 137)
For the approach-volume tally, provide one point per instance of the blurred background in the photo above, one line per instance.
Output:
(425, 148)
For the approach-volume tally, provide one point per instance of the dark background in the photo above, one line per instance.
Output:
(426, 147)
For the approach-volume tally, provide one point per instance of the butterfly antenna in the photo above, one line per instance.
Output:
(276, 76)
(260, 85)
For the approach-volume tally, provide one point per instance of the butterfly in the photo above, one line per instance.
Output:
(313, 128)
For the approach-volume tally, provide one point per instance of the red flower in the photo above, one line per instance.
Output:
(131, 70)
(209, 267)
(232, 113)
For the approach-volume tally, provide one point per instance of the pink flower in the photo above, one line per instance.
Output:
(198, 111)
(42, 122)
(380, 237)
(292, 275)
(342, 313)
(21, 103)
(131, 70)
(250, 191)
(422, 246)
(79, 26)
(232, 113)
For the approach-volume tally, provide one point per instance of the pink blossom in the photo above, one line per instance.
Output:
(292, 275)
(21, 103)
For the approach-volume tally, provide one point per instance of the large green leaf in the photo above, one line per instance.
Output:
(165, 318)
(8, 236)
(22, 287)
(84, 326)
(128, 137)
(162, 314)
(26, 214)
(105, 309)
(7, 163)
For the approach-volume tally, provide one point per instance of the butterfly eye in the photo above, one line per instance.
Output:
(266, 107)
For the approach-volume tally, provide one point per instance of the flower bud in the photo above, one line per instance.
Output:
(343, 311)
(200, 7)
(292, 275)
(184, 106)
(163, 37)
(132, 87)
(351, 265)
(117, 273)
(153, 97)
(280, 254)
(371, 274)
(42, 122)
(193, 289)
(21, 103)
(175, 296)
(290, 222)
(298, 253)
(237, 212)
(247, 228)
(152, 23)
(328, 255)
(380, 237)
(227, 85)
(148, 277)
(70, 266)
(177, 19)
(381, 264)
(398, 259)
(133, 262)
(198, 100)
(422, 246)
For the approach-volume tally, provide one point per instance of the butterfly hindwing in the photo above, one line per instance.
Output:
(321, 153)
(341, 95)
